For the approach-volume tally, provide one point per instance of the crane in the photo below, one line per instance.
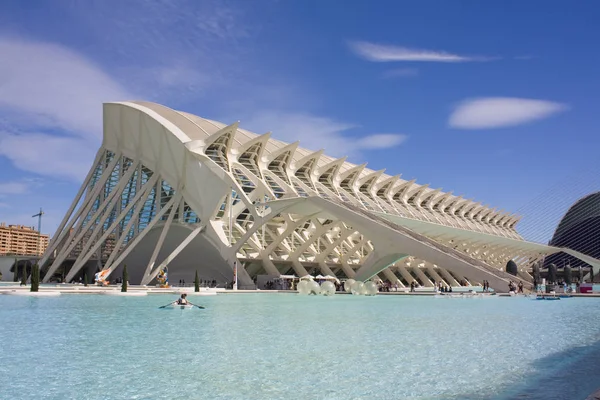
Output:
(39, 217)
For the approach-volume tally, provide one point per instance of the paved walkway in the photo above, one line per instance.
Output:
(93, 289)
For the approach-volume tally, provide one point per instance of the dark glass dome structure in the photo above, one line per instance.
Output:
(579, 229)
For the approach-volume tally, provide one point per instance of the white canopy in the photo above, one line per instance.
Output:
(331, 278)
(308, 277)
(288, 276)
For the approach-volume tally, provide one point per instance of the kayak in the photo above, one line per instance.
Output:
(180, 306)
(548, 298)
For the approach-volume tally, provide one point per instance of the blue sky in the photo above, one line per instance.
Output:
(496, 101)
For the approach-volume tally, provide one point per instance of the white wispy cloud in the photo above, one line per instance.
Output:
(170, 50)
(182, 53)
(166, 25)
(401, 73)
(51, 95)
(381, 141)
(173, 84)
(49, 155)
(386, 53)
(8, 188)
(315, 133)
(499, 112)
(48, 88)
(54, 86)
(51, 104)
(54, 106)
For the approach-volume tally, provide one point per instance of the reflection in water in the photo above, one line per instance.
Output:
(266, 346)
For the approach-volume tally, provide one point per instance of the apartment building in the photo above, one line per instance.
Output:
(21, 240)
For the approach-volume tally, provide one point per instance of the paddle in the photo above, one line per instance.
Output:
(167, 305)
(195, 305)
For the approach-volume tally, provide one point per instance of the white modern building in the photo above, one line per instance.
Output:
(168, 188)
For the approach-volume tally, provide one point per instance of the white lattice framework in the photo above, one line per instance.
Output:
(274, 207)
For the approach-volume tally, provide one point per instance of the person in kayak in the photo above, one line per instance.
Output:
(182, 300)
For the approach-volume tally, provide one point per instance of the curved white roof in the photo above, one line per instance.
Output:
(198, 128)
(259, 199)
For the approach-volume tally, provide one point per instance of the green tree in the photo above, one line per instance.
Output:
(24, 275)
(196, 283)
(16, 271)
(125, 279)
(35, 278)
(552, 273)
(568, 275)
(85, 279)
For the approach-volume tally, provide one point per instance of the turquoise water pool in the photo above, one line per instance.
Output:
(276, 346)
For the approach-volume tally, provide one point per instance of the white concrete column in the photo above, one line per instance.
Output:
(131, 245)
(163, 235)
(344, 234)
(134, 218)
(389, 274)
(299, 268)
(347, 268)
(405, 274)
(426, 281)
(83, 257)
(116, 199)
(84, 185)
(434, 273)
(104, 206)
(269, 267)
(325, 268)
(84, 208)
(448, 278)
(152, 274)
